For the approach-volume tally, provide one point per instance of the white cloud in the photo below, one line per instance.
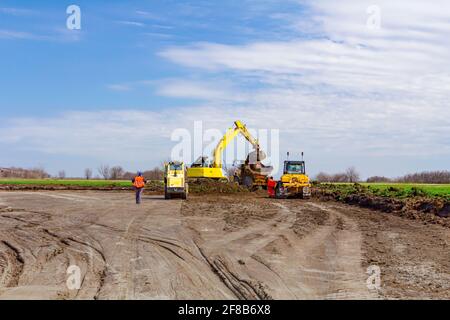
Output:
(106, 133)
(16, 11)
(382, 92)
(148, 15)
(132, 23)
(57, 34)
(119, 87)
(194, 89)
(12, 34)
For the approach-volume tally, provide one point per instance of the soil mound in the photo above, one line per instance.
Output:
(212, 186)
(427, 209)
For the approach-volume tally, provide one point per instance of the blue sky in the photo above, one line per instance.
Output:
(118, 44)
(114, 91)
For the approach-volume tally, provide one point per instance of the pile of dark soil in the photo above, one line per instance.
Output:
(376, 203)
(426, 209)
(438, 207)
(212, 186)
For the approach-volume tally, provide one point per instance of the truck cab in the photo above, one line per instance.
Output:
(175, 180)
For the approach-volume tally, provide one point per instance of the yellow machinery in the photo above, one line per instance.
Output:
(202, 169)
(175, 180)
(294, 182)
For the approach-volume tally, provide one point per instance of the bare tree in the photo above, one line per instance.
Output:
(323, 177)
(379, 179)
(88, 173)
(352, 175)
(154, 174)
(35, 173)
(426, 177)
(104, 171)
(116, 173)
(340, 177)
(62, 174)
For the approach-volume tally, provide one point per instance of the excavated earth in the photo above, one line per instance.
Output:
(214, 246)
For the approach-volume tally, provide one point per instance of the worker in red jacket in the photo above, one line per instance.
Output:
(271, 184)
(139, 184)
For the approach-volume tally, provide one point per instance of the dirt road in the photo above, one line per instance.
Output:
(212, 247)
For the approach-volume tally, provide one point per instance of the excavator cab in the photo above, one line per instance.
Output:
(203, 169)
(201, 162)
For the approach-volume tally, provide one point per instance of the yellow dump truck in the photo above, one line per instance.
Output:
(175, 180)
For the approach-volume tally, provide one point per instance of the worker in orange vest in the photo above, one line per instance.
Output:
(271, 184)
(139, 184)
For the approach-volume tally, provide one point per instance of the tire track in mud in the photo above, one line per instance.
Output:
(80, 253)
(243, 289)
(269, 260)
(40, 246)
(175, 248)
(252, 239)
(118, 270)
(126, 255)
(77, 248)
(63, 242)
(11, 264)
(166, 244)
(154, 251)
(130, 238)
(221, 253)
(328, 259)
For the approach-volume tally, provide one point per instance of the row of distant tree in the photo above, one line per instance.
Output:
(352, 175)
(421, 177)
(349, 175)
(35, 173)
(118, 173)
(103, 172)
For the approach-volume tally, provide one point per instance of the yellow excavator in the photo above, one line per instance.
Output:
(250, 173)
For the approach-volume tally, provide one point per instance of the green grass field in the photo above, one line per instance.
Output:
(66, 182)
(431, 189)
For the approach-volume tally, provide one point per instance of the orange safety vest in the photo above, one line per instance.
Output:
(139, 182)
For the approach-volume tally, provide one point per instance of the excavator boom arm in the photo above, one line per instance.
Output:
(228, 137)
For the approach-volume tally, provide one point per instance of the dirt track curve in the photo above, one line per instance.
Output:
(212, 247)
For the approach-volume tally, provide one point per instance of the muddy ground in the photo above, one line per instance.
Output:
(239, 246)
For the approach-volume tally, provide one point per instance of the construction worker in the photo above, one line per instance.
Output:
(271, 184)
(139, 184)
